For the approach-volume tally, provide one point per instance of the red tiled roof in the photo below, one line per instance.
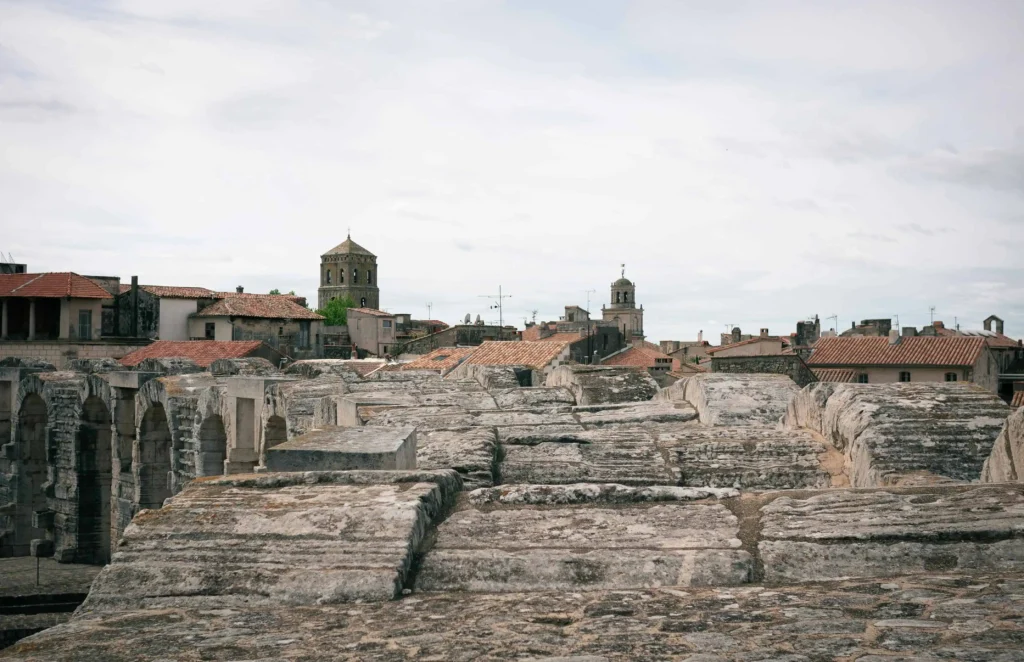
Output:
(364, 368)
(639, 355)
(373, 312)
(51, 286)
(911, 350)
(1018, 400)
(838, 375)
(442, 360)
(268, 307)
(203, 352)
(256, 295)
(171, 292)
(751, 341)
(511, 352)
(430, 323)
(687, 367)
(997, 340)
(568, 336)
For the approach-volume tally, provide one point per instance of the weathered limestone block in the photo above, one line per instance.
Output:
(246, 367)
(95, 366)
(345, 449)
(622, 455)
(531, 435)
(534, 397)
(169, 366)
(844, 533)
(635, 414)
(521, 417)
(298, 401)
(596, 385)
(1006, 462)
(470, 451)
(750, 458)
(735, 399)
(494, 377)
(424, 418)
(313, 368)
(579, 493)
(901, 434)
(295, 539)
(585, 548)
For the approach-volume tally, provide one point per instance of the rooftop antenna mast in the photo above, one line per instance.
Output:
(834, 316)
(429, 308)
(500, 300)
(931, 312)
(590, 352)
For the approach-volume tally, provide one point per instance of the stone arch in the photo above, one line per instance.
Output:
(213, 446)
(154, 457)
(95, 476)
(32, 474)
(275, 432)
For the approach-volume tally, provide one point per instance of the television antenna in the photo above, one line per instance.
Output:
(499, 298)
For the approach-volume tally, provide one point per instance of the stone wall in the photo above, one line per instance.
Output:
(790, 365)
(59, 353)
(1006, 463)
(459, 335)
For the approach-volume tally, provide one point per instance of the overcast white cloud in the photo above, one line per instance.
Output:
(751, 163)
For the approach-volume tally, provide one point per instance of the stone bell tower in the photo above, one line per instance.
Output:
(349, 269)
(623, 309)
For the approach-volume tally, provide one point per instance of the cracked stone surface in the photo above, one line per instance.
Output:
(1006, 462)
(951, 617)
(470, 451)
(750, 458)
(904, 434)
(596, 385)
(735, 399)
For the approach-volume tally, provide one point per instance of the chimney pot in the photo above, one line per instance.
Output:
(938, 324)
(239, 289)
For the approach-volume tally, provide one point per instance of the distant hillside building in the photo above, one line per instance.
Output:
(349, 269)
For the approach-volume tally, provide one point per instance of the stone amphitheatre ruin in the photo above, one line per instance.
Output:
(591, 517)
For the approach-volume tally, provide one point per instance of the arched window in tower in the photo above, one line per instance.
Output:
(355, 276)
(618, 297)
(625, 297)
(369, 277)
(362, 302)
(341, 276)
(327, 277)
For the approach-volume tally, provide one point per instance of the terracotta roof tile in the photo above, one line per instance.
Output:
(912, 350)
(640, 356)
(51, 286)
(349, 247)
(268, 307)
(443, 360)
(838, 375)
(373, 312)
(568, 336)
(364, 368)
(751, 341)
(537, 355)
(1018, 400)
(203, 352)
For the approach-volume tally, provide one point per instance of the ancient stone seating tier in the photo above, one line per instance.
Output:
(342, 449)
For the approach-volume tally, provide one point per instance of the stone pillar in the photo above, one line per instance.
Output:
(31, 319)
(3, 321)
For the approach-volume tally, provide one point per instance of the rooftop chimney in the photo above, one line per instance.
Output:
(894, 337)
(938, 324)
(239, 289)
(909, 331)
(700, 336)
(764, 333)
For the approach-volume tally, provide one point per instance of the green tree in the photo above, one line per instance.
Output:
(336, 311)
(277, 291)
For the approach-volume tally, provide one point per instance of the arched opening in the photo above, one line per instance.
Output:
(327, 277)
(275, 433)
(369, 277)
(362, 302)
(355, 276)
(154, 458)
(213, 446)
(625, 297)
(95, 472)
(32, 422)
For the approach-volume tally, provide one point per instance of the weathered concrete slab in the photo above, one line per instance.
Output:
(531, 435)
(470, 451)
(847, 533)
(346, 449)
(904, 434)
(622, 455)
(585, 548)
(424, 418)
(970, 618)
(520, 417)
(1006, 462)
(580, 493)
(596, 385)
(534, 397)
(750, 458)
(635, 413)
(735, 399)
(300, 538)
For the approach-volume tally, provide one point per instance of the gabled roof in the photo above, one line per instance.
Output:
(751, 341)
(268, 307)
(349, 247)
(173, 292)
(640, 356)
(443, 360)
(537, 355)
(372, 312)
(910, 351)
(838, 375)
(997, 340)
(51, 286)
(203, 352)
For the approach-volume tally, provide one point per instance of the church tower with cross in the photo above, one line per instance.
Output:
(623, 309)
(349, 269)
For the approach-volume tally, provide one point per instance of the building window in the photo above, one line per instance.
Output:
(904, 376)
(355, 276)
(341, 276)
(327, 277)
(304, 334)
(386, 324)
(84, 324)
(625, 297)
(950, 376)
(211, 330)
(385, 349)
(369, 277)
(862, 378)
(280, 330)
(618, 297)
(362, 302)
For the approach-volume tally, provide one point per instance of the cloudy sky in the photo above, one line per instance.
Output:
(751, 163)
